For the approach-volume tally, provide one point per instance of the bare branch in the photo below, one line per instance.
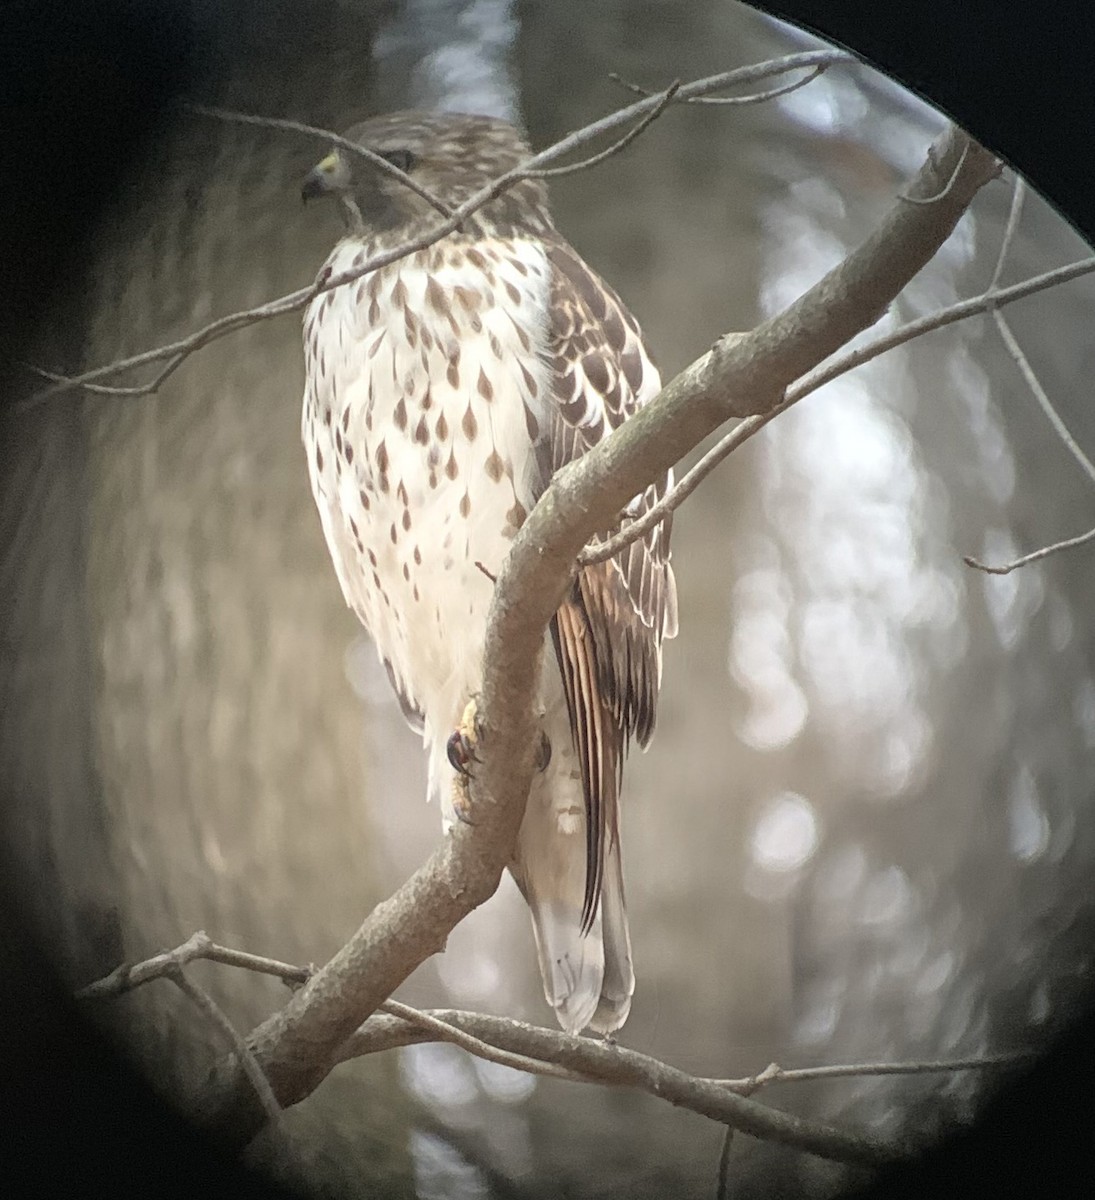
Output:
(994, 297)
(614, 1065)
(297, 1046)
(609, 1064)
(295, 301)
(988, 301)
(950, 315)
(198, 946)
(1006, 568)
(617, 146)
(722, 1190)
(246, 1059)
(194, 341)
(548, 1052)
(774, 1073)
(103, 389)
(552, 1045)
(752, 98)
(1011, 342)
(445, 1032)
(940, 195)
(455, 1026)
(335, 139)
(131, 975)
(1044, 402)
(1018, 194)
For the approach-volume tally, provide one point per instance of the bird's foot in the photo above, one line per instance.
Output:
(462, 745)
(461, 750)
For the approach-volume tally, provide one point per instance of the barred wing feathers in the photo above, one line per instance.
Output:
(608, 632)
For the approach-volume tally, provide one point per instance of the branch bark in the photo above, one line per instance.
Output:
(617, 1066)
(552, 1053)
(990, 301)
(723, 1100)
(740, 376)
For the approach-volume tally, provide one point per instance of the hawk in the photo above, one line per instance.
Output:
(442, 393)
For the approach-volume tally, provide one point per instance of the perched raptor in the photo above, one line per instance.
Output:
(443, 392)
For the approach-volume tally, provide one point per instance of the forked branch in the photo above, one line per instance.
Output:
(551, 1052)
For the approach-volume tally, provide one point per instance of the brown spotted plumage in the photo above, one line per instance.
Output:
(462, 377)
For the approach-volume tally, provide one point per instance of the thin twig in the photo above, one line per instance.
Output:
(127, 976)
(104, 389)
(481, 1049)
(1020, 359)
(774, 1073)
(566, 1064)
(616, 1066)
(294, 301)
(592, 1062)
(722, 1189)
(1027, 371)
(617, 146)
(602, 551)
(539, 1051)
(1018, 195)
(1023, 363)
(754, 97)
(248, 1062)
(619, 1066)
(846, 361)
(1006, 568)
(198, 946)
(944, 192)
(336, 139)
(186, 346)
(292, 975)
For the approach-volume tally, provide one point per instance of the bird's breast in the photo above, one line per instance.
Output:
(426, 387)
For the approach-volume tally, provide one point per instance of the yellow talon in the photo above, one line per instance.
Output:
(461, 749)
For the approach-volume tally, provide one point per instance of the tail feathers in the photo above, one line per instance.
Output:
(588, 978)
(571, 963)
(618, 983)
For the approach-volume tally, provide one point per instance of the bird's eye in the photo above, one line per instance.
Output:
(402, 158)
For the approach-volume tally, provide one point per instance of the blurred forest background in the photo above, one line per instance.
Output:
(864, 830)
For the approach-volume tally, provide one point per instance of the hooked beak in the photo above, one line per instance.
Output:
(324, 178)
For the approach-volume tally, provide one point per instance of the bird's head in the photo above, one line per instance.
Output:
(450, 156)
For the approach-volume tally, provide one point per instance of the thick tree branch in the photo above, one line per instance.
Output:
(298, 1045)
(840, 365)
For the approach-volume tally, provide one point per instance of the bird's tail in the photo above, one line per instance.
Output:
(588, 977)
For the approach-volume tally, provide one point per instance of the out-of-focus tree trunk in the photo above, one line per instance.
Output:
(185, 746)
